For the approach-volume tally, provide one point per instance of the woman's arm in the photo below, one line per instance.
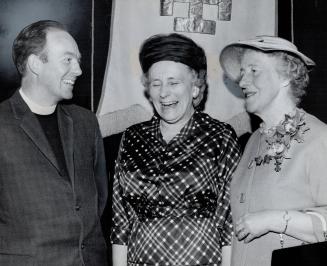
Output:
(293, 223)
(298, 224)
(226, 256)
(119, 255)
(120, 219)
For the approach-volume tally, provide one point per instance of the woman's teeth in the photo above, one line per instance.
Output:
(249, 94)
(169, 103)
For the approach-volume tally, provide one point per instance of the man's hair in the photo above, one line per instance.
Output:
(32, 40)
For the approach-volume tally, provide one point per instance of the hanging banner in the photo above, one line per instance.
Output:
(210, 23)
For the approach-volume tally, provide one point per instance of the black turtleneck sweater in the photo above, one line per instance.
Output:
(49, 123)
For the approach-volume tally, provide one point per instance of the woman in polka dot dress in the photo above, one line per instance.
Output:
(171, 202)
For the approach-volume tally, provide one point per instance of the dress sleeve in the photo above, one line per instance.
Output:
(228, 160)
(317, 172)
(120, 222)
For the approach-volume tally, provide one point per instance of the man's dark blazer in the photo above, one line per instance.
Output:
(45, 218)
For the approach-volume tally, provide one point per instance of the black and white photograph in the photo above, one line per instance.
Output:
(163, 132)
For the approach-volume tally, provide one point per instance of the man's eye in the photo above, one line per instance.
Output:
(173, 83)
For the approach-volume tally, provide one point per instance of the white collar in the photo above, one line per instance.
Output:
(36, 108)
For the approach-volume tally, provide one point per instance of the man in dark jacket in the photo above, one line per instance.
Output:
(53, 182)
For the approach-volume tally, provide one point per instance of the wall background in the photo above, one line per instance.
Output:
(134, 21)
(309, 28)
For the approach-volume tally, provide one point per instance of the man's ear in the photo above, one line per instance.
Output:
(34, 64)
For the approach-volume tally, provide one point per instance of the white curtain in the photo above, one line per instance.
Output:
(210, 23)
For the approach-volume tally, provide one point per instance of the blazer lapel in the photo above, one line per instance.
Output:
(32, 128)
(66, 130)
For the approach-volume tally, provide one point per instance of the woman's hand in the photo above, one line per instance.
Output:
(119, 255)
(253, 225)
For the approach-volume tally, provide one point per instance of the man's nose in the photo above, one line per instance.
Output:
(77, 69)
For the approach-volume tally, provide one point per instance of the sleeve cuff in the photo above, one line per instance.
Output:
(319, 225)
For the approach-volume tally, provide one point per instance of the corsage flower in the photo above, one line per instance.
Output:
(279, 139)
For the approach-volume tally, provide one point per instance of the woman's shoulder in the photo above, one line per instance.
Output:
(142, 129)
(212, 124)
(316, 129)
(315, 122)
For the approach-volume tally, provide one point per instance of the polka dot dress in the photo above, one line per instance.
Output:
(171, 202)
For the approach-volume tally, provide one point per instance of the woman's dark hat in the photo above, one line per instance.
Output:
(230, 56)
(173, 47)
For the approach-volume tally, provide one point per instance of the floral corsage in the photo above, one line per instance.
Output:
(279, 139)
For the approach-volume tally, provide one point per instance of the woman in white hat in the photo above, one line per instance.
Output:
(279, 196)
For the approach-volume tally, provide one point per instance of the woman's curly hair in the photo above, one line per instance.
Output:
(294, 69)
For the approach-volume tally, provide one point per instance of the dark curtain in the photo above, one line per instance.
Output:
(310, 36)
(77, 16)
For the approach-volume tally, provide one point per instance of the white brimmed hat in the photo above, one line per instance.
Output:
(230, 56)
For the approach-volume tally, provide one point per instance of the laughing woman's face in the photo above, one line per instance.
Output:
(171, 90)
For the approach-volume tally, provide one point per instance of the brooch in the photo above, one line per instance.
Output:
(280, 138)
